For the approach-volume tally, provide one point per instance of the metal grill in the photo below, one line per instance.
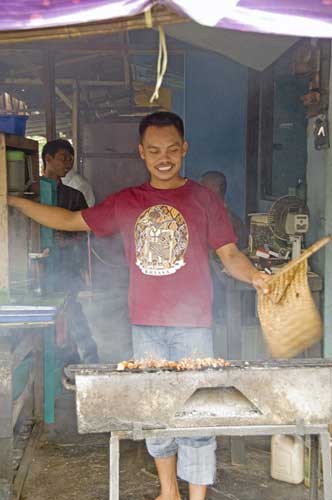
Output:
(245, 398)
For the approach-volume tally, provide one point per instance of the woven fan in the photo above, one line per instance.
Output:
(289, 317)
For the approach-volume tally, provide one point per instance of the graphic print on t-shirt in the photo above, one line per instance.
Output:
(161, 239)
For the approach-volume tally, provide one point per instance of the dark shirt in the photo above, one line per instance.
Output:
(70, 198)
(71, 255)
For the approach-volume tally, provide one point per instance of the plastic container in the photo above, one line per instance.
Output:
(287, 458)
(13, 124)
(16, 171)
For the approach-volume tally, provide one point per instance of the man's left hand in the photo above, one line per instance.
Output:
(259, 281)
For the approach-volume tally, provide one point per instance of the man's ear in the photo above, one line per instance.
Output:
(141, 151)
(185, 147)
(48, 158)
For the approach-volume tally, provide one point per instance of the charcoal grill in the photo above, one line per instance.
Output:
(243, 399)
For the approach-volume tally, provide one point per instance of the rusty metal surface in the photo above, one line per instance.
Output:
(274, 393)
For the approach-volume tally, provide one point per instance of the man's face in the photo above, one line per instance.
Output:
(71, 164)
(163, 150)
(59, 164)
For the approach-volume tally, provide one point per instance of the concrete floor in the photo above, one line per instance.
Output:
(67, 466)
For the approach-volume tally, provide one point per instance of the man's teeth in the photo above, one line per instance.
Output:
(165, 168)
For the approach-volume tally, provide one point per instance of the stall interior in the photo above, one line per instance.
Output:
(102, 87)
(245, 100)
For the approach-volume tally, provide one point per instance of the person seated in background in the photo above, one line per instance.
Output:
(217, 182)
(74, 180)
(71, 252)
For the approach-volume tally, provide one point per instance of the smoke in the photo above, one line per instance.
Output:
(107, 310)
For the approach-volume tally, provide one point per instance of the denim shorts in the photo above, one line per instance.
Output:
(196, 462)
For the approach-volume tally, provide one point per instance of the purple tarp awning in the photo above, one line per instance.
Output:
(293, 17)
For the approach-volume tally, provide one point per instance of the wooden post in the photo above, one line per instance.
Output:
(75, 120)
(49, 94)
(4, 253)
(327, 173)
(314, 470)
(252, 142)
(6, 428)
(114, 469)
(266, 134)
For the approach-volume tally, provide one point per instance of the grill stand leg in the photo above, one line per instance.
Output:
(314, 460)
(114, 466)
(327, 473)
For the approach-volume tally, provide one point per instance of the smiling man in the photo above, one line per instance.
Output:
(167, 226)
(163, 155)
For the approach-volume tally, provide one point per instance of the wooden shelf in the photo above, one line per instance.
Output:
(21, 143)
(13, 241)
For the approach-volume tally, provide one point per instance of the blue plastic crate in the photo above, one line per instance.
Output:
(13, 124)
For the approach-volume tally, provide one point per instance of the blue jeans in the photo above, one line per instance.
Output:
(196, 461)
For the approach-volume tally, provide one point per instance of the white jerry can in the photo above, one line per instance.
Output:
(287, 458)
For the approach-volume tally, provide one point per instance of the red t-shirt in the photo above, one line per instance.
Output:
(166, 235)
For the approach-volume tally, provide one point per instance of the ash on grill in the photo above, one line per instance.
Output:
(164, 364)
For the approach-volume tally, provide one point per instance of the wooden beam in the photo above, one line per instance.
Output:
(4, 239)
(33, 82)
(49, 94)
(63, 97)
(116, 51)
(126, 65)
(26, 460)
(21, 143)
(32, 69)
(23, 398)
(161, 15)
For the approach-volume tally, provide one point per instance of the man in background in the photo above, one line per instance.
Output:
(70, 257)
(77, 181)
(217, 182)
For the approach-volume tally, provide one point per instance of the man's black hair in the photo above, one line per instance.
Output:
(219, 178)
(52, 147)
(161, 119)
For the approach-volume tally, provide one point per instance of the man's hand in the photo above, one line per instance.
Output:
(259, 281)
(240, 267)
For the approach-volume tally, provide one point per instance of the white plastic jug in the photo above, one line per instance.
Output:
(19, 171)
(287, 458)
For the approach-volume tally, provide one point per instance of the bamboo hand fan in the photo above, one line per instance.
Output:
(289, 318)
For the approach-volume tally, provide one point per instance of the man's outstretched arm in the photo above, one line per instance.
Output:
(53, 217)
(240, 267)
